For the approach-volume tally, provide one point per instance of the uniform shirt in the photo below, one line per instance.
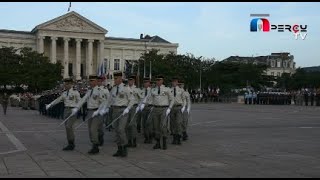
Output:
(164, 97)
(70, 98)
(105, 93)
(121, 95)
(136, 92)
(146, 95)
(179, 98)
(187, 97)
(93, 97)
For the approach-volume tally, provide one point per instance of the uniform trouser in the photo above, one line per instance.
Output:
(95, 126)
(120, 125)
(69, 124)
(160, 124)
(131, 129)
(109, 117)
(176, 120)
(147, 123)
(185, 119)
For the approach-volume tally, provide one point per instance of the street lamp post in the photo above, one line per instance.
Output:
(200, 72)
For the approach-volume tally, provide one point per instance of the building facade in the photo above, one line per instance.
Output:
(82, 46)
(278, 63)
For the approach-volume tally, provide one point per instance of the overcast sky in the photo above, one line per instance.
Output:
(206, 29)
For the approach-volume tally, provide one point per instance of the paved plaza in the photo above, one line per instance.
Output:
(225, 140)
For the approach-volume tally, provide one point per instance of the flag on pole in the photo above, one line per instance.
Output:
(69, 6)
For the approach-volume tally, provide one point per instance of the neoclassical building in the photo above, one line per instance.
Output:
(81, 45)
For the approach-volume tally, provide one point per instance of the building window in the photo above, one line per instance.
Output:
(278, 74)
(279, 64)
(272, 73)
(117, 64)
(285, 64)
(272, 63)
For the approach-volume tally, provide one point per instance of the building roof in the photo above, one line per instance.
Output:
(147, 38)
(14, 32)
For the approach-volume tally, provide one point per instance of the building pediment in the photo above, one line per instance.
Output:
(71, 22)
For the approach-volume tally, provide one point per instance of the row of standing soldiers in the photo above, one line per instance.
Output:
(162, 110)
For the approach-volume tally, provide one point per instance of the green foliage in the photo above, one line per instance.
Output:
(299, 80)
(28, 68)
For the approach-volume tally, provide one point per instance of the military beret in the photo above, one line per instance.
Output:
(133, 77)
(117, 74)
(68, 80)
(146, 79)
(175, 78)
(160, 77)
(93, 77)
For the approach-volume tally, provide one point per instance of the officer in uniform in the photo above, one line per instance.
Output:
(132, 127)
(185, 114)
(145, 109)
(94, 98)
(163, 102)
(70, 98)
(4, 102)
(177, 111)
(121, 102)
(105, 96)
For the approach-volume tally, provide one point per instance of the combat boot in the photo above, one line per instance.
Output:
(70, 146)
(124, 152)
(184, 136)
(174, 139)
(130, 144)
(146, 139)
(164, 147)
(118, 153)
(134, 143)
(94, 150)
(150, 139)
(157, 145)
(178, 139)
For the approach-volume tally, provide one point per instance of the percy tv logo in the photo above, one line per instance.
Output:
(263, 24)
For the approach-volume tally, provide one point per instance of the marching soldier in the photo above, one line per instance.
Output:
(145, 108)
(105, 96)
(186, 114)
(121, 102)
(163, 102)
(177, 111)
(132, 123)
(70, 98)
(4, 102)
(94, 98)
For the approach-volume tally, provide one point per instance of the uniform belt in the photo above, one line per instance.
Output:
(69, 107)
(93, 109)
(178, 105)
(161, 106)
(150, 106)
(118, 106)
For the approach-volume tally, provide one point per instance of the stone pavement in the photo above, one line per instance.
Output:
(226, 140)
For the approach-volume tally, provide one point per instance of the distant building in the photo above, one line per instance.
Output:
(278, 63)
(82, 46)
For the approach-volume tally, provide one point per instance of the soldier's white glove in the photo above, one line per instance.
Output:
(168, 111)
(48, 106)
(137, 109)
(74, 111)
(183, 108)
(94, 114)
(126, 111)
(142, 107)
(103, 111)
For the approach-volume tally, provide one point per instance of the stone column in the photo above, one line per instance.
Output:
(78, 59)
(100, 53)
(90, 56)
(53, 50)
(41, 44)
(66, 58)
